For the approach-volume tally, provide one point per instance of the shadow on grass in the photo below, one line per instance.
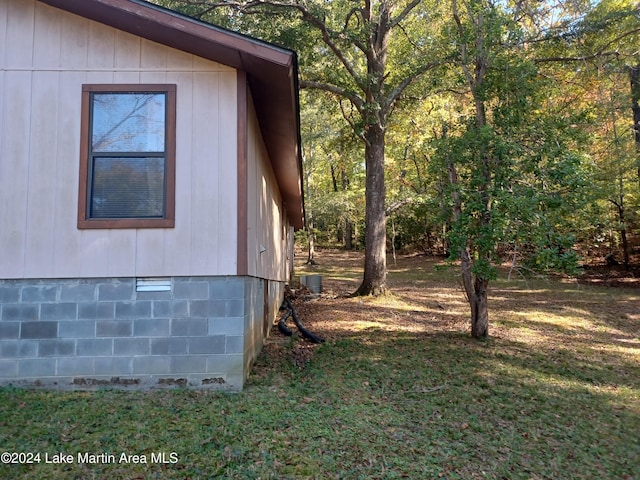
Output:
(465, 406)
(559, 378)
(399, 390)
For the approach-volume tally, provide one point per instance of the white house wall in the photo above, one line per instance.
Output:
(46, 55)
(267, 235)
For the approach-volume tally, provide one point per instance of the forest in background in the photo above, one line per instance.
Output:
(483, 130)
(565, 88)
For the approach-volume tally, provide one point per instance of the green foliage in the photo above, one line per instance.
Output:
(548, 169)
(335, 175)
(520, 173)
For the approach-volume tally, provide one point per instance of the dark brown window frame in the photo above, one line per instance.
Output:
(168, 220)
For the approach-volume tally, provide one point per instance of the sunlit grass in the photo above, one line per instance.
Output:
(393, 302)
(398, 390)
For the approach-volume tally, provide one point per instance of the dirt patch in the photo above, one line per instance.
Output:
(427, 299)
(611, 276)
(334, 314)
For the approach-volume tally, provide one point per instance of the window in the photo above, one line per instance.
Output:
(127, 159)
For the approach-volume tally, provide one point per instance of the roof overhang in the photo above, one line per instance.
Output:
(272, 74)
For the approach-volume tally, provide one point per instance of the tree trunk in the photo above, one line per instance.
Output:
(334, 180)
(625, 248)
(375, 263)
(480, 308)
(311, 235)
(634, 76)
(348, 235)
(477, 289)
(623, 231)
(312, 239)
(348, 225)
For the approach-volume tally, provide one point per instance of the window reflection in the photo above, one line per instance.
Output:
(128, 122)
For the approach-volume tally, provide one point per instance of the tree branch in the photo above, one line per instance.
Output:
(600, 53)
(356, 131)
(327, 34)
(403, 14)
(398, 204)
(395, 94)
(339, 91)
(463, 45)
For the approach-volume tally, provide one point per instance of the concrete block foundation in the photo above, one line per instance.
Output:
(204, 332)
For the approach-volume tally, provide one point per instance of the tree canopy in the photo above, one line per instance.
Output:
(487, 131)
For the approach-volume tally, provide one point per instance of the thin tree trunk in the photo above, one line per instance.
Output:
(312, 239)
(476, 288)
(348, 225)
(334, 179)
(393, 242)
(625, 248)
(480, 309)
(477, 291)
(348, 235)
(634, 76)
(623, 231)
(311, 235)
(475, 70)
(620, 204)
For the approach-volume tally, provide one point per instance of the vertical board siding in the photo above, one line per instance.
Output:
(46, 55)
(204, 184)
(19, 35)
(74, 45)
(14, 169)
(153, 56)
(3, 37)
(122, 253)
(264, 212)
(227, 169)
(66, 242)
(180, 236)
(126, 50)
(42, 168)
(101, 48)
(46, 37)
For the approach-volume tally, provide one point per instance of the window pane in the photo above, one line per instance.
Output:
(127, 187)
(128, 122)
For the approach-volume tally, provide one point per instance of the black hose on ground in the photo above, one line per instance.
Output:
(291, 312)
(282, 324)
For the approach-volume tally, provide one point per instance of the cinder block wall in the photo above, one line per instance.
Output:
(205, 332)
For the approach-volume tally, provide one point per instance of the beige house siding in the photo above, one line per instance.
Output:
(46, 55)
(70, 296)
(267, 228)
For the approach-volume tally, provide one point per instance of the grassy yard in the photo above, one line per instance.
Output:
(398, 390)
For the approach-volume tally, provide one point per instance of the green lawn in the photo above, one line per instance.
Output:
(399, 390)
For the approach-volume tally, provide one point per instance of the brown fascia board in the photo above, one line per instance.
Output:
(271, 71)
